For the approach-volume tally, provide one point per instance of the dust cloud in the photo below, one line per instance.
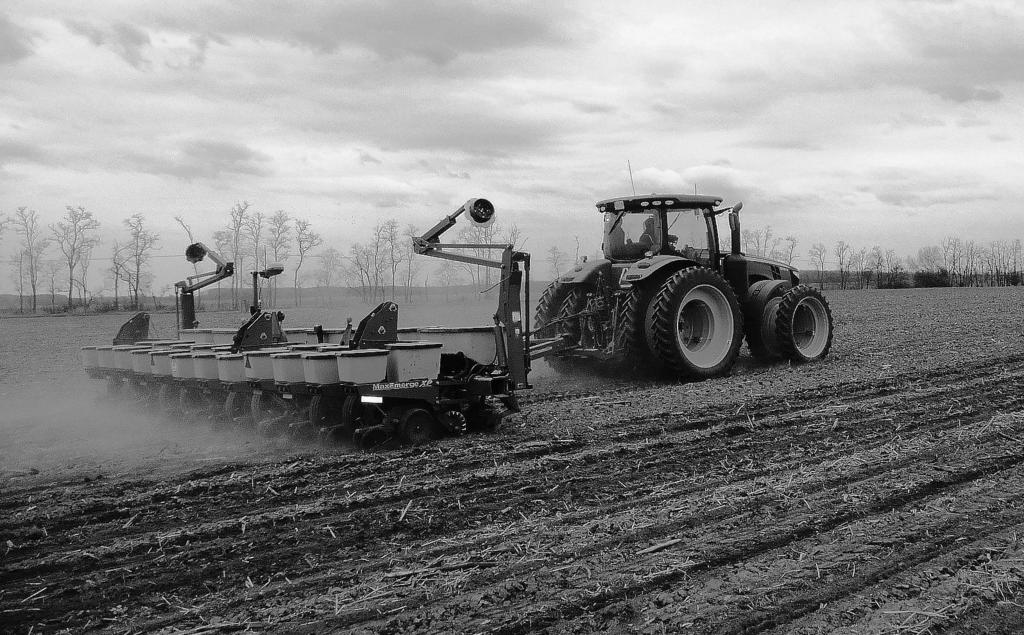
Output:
(74, 431)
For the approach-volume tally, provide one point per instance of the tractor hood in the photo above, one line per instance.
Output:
(770, 262)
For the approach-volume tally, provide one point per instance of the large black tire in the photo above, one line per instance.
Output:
(759, 318)
(547, 309)
(804, 324)
(568, 313)
(696, 324)
(630, 336)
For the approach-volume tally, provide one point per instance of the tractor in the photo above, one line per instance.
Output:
(669, 296)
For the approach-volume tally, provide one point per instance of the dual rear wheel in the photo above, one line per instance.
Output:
(692, 325)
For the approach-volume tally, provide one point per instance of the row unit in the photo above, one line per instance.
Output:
(311, 363)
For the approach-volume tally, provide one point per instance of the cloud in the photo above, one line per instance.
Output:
(18, 152)
(913, 188)
(389, 29)
(204, 159)
(657, 180)
(366, 158)
(126, 41)
(963, 94)
(15, 42)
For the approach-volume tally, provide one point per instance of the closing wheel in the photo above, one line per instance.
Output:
(417, 426)
(263, 406)
(804, 324)
(236, 406)
(760, 310)
(325, 411)
(271, 428)
(696, 324)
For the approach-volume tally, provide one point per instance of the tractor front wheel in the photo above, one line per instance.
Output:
(804, 325)
(696, 324)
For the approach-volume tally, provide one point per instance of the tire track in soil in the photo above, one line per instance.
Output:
(542, 453)
(599, 548)
(779, 534)
(925, 584)
(501, 488)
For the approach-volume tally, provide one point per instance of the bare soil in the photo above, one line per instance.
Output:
(879, 491)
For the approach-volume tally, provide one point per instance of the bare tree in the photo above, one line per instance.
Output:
(141, 242)
(362, 264)
(952, 258)
(448, 272)
(330, 267)
(876, 262)
(305, 240)
(817, 252)
(75, 235)
(788, 252)
(514, 236)
(33, 246)
(409, 274)
(83, 275)
(394, 254)
(842, 251)
(893, 268)
(254, 238)
(279, 241)
(118, 269)
(51, 269)
(556, 258)
(238, 218)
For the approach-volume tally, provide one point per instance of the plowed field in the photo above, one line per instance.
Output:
(881, 490)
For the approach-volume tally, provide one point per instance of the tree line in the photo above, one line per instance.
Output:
(58, 257)
(954, 262)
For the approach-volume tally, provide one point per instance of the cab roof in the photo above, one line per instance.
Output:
(649, 201)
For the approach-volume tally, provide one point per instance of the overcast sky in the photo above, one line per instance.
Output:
(891, 123)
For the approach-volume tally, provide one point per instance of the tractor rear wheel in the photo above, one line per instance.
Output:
(760, 310)
(696, 324)
(548, 304)
(569, 314)
(630, 336)
(804, 324)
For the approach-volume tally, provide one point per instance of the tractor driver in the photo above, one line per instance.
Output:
(650, 236)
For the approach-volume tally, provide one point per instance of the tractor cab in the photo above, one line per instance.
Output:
(677, 225)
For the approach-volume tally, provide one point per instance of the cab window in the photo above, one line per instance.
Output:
(688, 234)
(633, 236)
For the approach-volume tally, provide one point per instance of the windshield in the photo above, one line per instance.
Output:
(688, 233)
(632, 236)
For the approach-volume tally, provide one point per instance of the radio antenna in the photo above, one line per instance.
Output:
(631, 184)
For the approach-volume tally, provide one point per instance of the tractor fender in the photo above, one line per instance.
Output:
(661, 266)
(585, 272)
